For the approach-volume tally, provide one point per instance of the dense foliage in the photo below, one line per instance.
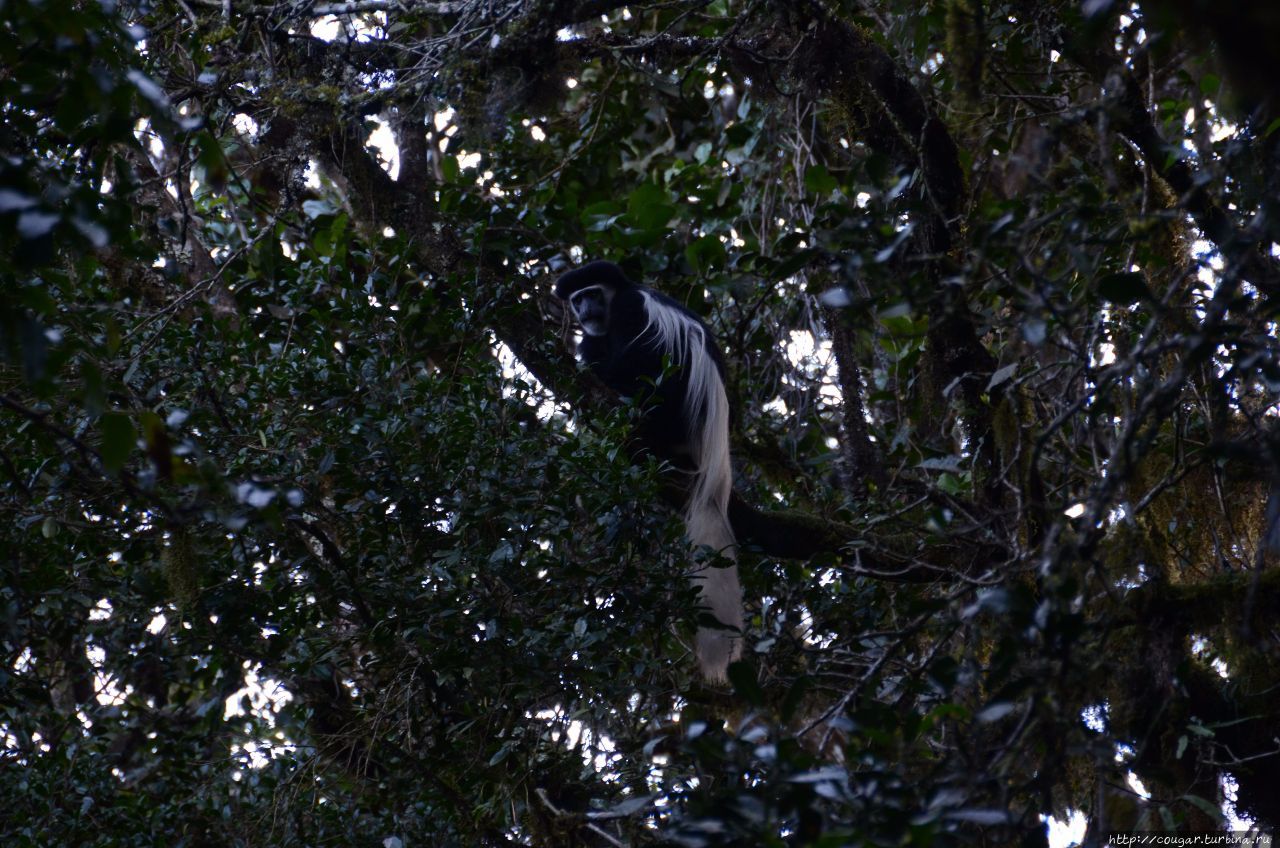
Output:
(315, 534)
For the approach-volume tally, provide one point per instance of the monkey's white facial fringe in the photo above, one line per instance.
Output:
(592, 327)
(707, 513)
(597, 325)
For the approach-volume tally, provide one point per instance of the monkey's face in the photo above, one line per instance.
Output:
(591, 308)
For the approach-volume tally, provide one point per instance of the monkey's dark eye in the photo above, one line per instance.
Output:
(587, 299)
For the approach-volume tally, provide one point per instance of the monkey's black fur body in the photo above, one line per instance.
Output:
(631, 359)
(646, 346)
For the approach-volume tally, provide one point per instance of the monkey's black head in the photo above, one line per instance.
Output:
(598, 273)
(590, 290)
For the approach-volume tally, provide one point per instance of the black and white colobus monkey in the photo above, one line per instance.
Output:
(628, 331)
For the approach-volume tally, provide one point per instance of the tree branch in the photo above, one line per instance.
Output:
(861, 459)
(1136, 123)
(320, 10)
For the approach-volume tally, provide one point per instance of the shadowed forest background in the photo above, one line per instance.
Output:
(315, 533)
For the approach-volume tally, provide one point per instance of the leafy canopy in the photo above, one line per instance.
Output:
(315, 534)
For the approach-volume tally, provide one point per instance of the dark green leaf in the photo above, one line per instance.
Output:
(743, 678)
(1124, 288)
(650, 207)
(706, 254)
(818, 180)
(118, 439)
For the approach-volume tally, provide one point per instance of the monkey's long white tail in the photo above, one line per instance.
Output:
(707, 513)
(707, 523)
